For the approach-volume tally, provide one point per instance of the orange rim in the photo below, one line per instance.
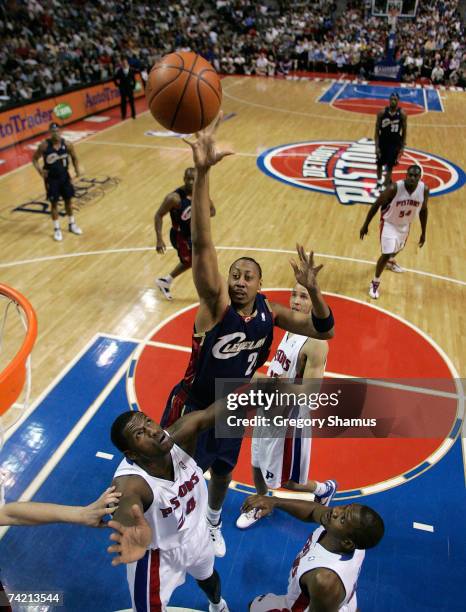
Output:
(14, 370)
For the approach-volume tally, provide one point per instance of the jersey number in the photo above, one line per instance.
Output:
(252, 360)
(405, 213)
(395, 127)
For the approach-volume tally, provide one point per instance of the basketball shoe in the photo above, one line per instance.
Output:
(247, 519)
(164, 287)
(57, 235)
(220, 607)
(216, 537)
(74, 229)
(394, 266)
(374, 289)
(326, 498)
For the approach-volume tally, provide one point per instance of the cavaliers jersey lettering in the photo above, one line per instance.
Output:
(390, 128)
(234, 348)
(314, 556)
(56, 160)
(181, 216)
(179, 506)
(405, 206)
(285, 362)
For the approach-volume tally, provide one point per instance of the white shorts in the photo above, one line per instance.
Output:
(153, 578)
(282, 603)
(392, 237)
(281, 459)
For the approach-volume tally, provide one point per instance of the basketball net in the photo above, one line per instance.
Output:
(394, 11)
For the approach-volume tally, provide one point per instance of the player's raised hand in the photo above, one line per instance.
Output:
(93, 514)
(263, 505)
(131, 542)
(205, 152)
(304, 270)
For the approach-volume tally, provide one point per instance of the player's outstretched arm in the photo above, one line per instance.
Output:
(306, 511)
(210, 286)
(131, 543)
(423, 217)
(32, 513)
(320, 324)
(171, 201)
(384, 198)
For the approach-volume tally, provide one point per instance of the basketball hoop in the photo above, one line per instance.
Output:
(18, 371)
(394, 8)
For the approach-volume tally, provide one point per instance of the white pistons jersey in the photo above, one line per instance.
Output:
(179, 507)
(405, 207)
(286, 454)
(311, 557)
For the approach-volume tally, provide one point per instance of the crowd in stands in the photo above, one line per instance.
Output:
(50, 46)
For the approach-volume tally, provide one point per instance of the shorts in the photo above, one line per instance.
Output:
(182, 246)
(59, 188)
(388, 155)
(153, 578)
(392, 237)
(281, 459)
(220, 454)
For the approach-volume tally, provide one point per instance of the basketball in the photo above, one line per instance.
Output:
(184, 92)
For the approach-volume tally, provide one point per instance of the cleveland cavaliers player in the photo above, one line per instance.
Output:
(159, 477)
(233, 329)
(325, 573)
(281, 461)
(400, 204)
(178, 205)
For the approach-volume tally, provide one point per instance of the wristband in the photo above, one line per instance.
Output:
(323, 325)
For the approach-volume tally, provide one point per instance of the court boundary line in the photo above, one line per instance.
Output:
(47, 258)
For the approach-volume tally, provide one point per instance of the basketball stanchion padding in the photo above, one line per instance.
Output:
(13, 377)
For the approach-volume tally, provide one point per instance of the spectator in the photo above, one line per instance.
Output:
(437, 74)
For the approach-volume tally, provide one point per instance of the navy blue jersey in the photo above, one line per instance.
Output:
(390, 128)
(181, 215)
(234, 348)
(56, 160)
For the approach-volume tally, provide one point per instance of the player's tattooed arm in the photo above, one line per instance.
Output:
(36, 157)
(384, 198)
(324, 588)
(74, 158)
(423, 217)
(134, 491)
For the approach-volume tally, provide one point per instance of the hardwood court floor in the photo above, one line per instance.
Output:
(103, 281)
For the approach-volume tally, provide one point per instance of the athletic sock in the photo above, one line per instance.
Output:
(321, 489)
(218, 607)
(213, 515)
(168, 278)
(376, 279)
(56, 224)
(71, 219)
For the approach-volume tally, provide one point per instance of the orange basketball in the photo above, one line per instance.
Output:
(184, 92)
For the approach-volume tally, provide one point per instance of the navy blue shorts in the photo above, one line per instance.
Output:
(220, 454)
(183, 247)
(59, 188)
(388, 156)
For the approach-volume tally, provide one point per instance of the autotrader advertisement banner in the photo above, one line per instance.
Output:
(21, 123)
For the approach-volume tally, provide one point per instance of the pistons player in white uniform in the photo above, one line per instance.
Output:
(160, 523)
(279, 460)
(324, 575)
(400, 204)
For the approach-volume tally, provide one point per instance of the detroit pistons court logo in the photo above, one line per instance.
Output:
(348, 169)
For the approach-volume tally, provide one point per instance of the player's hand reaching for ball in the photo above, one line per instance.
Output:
(304, 270)
(131, 542)
(205, 152)
(261, 504)
(93, 514)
